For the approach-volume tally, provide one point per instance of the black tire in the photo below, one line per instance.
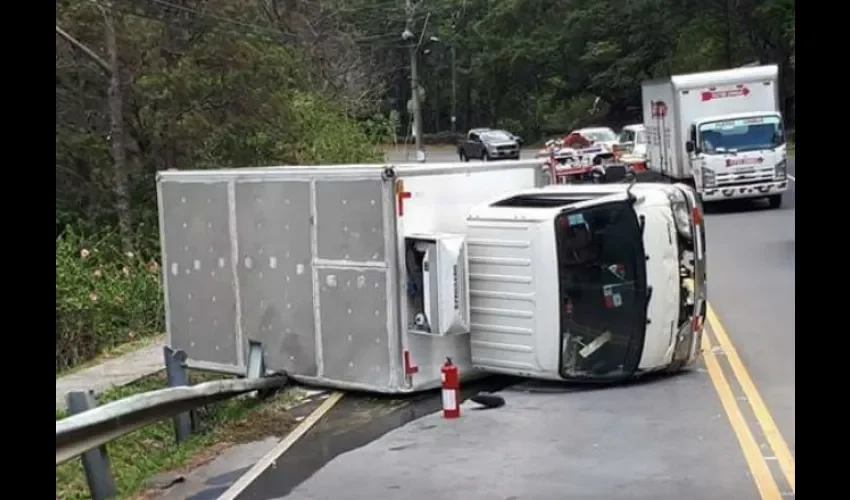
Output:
(485, 156)
(774, 201)
(515, 157)
(462, 156)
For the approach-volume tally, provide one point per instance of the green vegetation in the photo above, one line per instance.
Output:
(225, 83)
(139, 456)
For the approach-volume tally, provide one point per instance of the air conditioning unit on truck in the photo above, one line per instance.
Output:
(719, 131)
(368, 277)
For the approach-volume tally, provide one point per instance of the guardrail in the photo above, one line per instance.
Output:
(90, 428)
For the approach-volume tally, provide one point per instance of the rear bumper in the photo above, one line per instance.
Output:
(758, 190)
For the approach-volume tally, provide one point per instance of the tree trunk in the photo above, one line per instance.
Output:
(120, 186)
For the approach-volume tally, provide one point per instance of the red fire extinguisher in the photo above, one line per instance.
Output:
(451, 390)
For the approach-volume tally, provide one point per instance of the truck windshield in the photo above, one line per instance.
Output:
(603, 292)
(745, 134)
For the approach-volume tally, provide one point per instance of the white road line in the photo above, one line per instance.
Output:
(792, 178)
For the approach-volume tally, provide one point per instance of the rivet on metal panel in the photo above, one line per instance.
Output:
(197, 265)
(345, 229)
(249, 262)
(273, 262)
(345, 202)
(371, 202)
(185, 225)
(361, 281)
(183, 199)
(299, 269)
(189, 296)
(213, 298)
(330, 280)
(221, 262)
(260, 275)
(349, 311)
(350, 338)
(175, 268)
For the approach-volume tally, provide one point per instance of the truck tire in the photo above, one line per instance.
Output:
(774, 201)
(485, 156)
(462, 156)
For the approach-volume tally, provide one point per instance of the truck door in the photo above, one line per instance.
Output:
(695, 159)
(474, 147)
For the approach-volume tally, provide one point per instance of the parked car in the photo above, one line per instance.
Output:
(489, 144)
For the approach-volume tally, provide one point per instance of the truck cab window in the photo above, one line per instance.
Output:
(474, 138)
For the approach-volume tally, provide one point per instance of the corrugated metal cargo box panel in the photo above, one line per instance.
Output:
(275, 272)
(199, 270)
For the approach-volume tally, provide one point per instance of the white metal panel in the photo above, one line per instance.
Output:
(441, 196)
(440, 203)
(725, 77)
(514, 292)
(662, 270)
(661, 131)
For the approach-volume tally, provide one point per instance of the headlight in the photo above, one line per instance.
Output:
(681, 214)
(781, 170)
(708, 178)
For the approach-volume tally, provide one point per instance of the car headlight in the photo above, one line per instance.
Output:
(781, 170)
(681, 214)
(708, 178)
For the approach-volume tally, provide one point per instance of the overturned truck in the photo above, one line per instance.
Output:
(368, 276)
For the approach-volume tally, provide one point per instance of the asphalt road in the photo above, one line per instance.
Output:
(725, 429)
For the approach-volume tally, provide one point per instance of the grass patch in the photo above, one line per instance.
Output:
(139, 456)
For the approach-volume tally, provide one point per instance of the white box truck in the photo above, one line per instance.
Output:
(720, 131)
(367, 277)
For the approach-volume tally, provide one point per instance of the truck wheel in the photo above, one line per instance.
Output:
(462, 156)
(774, 201)
(485, 157)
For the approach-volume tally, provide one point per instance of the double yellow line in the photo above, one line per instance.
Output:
(764, 479)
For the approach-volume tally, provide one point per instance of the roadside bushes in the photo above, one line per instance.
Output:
(103, 297)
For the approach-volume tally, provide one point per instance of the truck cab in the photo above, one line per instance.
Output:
(720, 131)
(587, 282)
(740, 155)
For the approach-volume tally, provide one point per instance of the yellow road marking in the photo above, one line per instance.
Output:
(762, 476)
(271, 457)
(763, 416)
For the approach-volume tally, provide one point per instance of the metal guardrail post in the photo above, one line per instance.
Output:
(178, 375)
(257, 366)
(96, 461)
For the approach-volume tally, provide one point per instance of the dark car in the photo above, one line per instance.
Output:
(489, 144)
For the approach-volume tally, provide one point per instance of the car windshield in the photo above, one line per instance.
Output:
(603, 292)
(745, 134)
(600, 135)
(496, 135)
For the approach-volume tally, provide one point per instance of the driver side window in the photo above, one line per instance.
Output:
(627, 136)
(474, 138)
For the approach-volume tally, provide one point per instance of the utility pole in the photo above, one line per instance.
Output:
(415, 105)
(454, 87)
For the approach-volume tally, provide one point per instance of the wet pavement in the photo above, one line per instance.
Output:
(658, 439)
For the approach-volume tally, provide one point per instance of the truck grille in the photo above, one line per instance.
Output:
(764, 174)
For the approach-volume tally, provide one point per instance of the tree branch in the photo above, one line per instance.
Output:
(85, 50)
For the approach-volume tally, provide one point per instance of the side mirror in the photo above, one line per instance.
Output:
(519, 140)
(689, 147)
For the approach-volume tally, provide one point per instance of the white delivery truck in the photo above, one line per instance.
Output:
(368, 277)
(720, 131)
